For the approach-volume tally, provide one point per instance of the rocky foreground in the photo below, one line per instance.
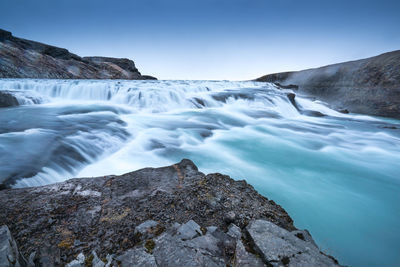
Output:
(21, 58)
(170, 216)
(368, 86)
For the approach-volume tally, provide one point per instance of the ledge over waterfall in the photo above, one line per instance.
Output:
(20, 58)
(368, 86)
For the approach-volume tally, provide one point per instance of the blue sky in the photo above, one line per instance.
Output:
(211, 39)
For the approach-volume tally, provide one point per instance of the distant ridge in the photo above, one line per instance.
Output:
(367, 86)
(20, 58)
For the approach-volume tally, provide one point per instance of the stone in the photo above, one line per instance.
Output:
(96, 262)
(9, 253)
(291, 98)
(211, 229)
(173, 251)
(234, 231)
(136, 257)
(277, 246)
(189, 230)
(78, 262)
(230, 217)
(148, 229)
(312, 113)
(244, 258)
(7, 100)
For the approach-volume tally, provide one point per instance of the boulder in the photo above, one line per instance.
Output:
(277, 246)
(7, 100)
(9, 253)
(189, 230)
(137, 257)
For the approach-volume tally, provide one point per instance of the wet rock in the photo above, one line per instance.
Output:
(385, 127)
(9, 254)
(312, 113)
(7, 100)
(289, 86)
(344, 111)
(278, 246)
(291, 98)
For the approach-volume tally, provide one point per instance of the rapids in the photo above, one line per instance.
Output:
(336, 175)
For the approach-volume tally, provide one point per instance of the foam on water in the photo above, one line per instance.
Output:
(336, 175)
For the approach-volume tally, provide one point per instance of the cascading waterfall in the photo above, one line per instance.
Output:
(336, 175)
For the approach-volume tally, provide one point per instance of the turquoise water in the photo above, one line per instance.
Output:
(337, 175)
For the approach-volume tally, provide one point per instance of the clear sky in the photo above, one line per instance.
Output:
(211, 39)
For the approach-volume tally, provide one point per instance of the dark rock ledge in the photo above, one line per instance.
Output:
(170, 216)
(368, 86)
(21, 58)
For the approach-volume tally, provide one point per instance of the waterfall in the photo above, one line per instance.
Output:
(319, 164)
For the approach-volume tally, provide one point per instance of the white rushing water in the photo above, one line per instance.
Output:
(336, 175)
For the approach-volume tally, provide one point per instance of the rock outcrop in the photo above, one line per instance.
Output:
(20, 58)
(9, 253)
(170, 216)
(368, 86)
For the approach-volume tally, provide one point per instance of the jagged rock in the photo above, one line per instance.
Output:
(20, 58)
(211, 229)
(291, 98)
(148, 229)
(183, 254)
(137, 257)
(368, 86)
(189, 230)
(234, 231)
(279, 247)
(244, 258)
(78, 262)
(9, 254)
(96, 262)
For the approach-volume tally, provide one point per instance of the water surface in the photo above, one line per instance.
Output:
(337, 175)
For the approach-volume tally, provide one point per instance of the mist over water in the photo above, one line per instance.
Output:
(337, 175)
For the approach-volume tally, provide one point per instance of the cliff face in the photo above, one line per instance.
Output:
(20, 58)
(170, 216)
(368, 86)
